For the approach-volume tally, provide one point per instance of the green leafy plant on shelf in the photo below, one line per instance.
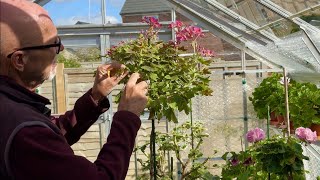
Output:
(270, 92)
(178, 143)
(174, 79)
(304, 103)
(274, 158)
(304, 100)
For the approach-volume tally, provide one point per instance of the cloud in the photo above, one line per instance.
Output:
(94, 20)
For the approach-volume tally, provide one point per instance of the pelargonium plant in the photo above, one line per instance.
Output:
(306, 135)
(174, 79)
(277, 157)
(255, 135)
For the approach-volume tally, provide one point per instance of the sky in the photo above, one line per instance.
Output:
(68, 12)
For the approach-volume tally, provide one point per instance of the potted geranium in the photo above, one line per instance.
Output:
(269, 158)
(304, 103)
(270, 92)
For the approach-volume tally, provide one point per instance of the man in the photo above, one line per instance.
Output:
(35, 146)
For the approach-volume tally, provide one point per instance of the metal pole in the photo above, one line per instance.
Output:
(89, 13)
(179, 170)
(244, 93)
(168, 153)
(103, 11)
(173, 19)
(268, 123)
(286, 100)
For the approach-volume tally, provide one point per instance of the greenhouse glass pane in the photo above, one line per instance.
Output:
(312, 17)
(295, 6)
(74, 12)
(282, 28)
(231, 21)
(81, 54)
(292, 52)
(214, 11)
(80, 41)
(251, 10)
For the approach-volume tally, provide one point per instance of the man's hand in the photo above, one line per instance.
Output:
(107, 77)
(134, 97)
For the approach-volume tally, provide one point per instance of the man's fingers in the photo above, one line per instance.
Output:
(133, 79)
(114, 65)
(143, 85)
(112, 69)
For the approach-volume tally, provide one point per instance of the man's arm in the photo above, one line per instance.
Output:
(39, 153)
(91, 105)
(75, 123)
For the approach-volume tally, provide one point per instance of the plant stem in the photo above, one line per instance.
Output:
(153, 135)
(191, 119)
(268, 122)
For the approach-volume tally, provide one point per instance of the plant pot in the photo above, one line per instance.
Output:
(278, 121)
(273, 119)
(283, 124)
(316, 127)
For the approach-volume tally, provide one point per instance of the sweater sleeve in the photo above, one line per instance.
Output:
(39, 153)
(75, 123)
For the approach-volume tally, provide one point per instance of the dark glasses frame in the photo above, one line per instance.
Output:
(58, 44)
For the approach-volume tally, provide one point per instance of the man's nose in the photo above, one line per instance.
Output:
(61, 47)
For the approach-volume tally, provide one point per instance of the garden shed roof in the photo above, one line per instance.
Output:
(143, 6)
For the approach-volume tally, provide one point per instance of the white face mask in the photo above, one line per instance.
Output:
(52, 73)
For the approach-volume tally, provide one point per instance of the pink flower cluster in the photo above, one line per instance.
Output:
(152, 21)
(206, 52)
(255, 135)
(306, 135)
(184, 33)
(111, 50)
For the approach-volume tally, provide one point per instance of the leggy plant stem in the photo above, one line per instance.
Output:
(153, 136)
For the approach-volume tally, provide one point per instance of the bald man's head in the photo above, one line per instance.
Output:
(23, 24)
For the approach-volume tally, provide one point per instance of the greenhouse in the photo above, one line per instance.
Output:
(263, 58)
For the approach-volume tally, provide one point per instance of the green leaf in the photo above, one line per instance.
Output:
(147, 68)
(153, 76)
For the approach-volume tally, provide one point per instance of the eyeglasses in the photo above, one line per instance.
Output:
(57, 45)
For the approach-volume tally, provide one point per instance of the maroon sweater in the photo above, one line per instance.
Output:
(40, 153)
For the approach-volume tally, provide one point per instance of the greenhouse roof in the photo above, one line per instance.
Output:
(260, 28)
(241, 24)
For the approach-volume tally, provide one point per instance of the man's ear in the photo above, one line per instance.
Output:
(18, 60)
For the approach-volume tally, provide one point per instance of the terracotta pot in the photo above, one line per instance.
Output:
(283, 124)
(316, 127)
(273, 119)
(278, 121)
(292, 129)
